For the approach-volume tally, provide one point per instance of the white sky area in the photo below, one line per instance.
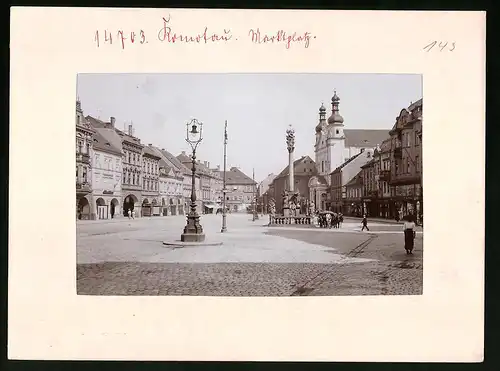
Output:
(258, 108)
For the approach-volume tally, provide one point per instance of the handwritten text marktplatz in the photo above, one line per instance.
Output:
(280, 37)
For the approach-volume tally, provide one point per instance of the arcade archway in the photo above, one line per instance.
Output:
(102, 209)
(83, 209)
(113, 207)
(129, 204)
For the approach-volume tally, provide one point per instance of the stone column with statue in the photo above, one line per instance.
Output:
(290, 196)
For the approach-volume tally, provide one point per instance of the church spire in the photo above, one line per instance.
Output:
(322, 118)
(335, 118)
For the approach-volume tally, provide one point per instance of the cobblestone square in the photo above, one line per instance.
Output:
(127, 257)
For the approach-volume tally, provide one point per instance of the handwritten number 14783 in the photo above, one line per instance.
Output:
(119, 37)
(441, 46)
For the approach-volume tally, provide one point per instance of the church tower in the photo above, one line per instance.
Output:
(320, 146)
(335, 136)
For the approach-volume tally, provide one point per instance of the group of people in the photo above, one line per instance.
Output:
(329, 220)
(131, 214)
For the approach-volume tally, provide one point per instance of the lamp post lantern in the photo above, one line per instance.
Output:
(193, 231)
(224, 190)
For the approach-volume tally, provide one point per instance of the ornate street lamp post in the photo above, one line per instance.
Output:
(193, 231)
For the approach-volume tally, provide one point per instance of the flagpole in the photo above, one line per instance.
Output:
(224, 190)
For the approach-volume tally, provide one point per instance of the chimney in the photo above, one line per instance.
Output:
(218, 167)
(130, 129)
(150, 144)
(183, 153)
(112, 121)
(208, 164)
(163, 149)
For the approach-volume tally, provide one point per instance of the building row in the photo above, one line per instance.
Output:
(116, 173)
(358, 172)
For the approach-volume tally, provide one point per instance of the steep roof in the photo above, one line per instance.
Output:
(96, 123)
(346, 162)
(368, 164)
(237, 177)
(148, 150)
(364, 138)
(357, 180)
(200, 167)
(302, 166)
(173, 161)
(101, 143)
(112, 137)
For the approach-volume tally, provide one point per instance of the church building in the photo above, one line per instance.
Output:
(334, 146)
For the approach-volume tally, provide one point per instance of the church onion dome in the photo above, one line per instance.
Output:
(322, 109)
(335, 118)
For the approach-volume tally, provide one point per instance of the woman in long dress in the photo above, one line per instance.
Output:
(409, 231)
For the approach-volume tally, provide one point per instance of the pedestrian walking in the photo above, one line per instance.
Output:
(341, 219)
(133, 214)
(409, 233)
(364, 222)
(129, 213)
(328, 218)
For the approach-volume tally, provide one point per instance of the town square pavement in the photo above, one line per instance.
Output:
(128, 257)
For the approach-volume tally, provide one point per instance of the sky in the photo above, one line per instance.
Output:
(258, 108)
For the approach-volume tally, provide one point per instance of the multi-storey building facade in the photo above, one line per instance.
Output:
(406, 164)
(106, 173)
(170, 189)
(354, 193)
(240, 190)
(343, 175)
(131, 165)
(216, 186)
(84, 133)
(171, 180)
(150, 182)
(370, 189)
(382, 168)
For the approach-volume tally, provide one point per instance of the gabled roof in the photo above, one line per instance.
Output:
(201, 169)
(368, 164)
(302, 166)
(237, 177)
(112, 137)
(96, 123)
(356, 181)
(101, 143)
(346, 162)
(148, 150)
(364, 138)
(173, 161)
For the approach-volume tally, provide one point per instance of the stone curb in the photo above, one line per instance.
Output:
(178, 243)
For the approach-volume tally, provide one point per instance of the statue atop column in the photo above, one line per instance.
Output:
(290, 139)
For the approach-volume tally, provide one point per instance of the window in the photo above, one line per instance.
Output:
(80, 145)
(417, 163)
(337, 131)
(88, 148)
(408, 165)
(84, 174)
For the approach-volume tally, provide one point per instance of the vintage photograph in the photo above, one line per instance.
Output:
(249, 184)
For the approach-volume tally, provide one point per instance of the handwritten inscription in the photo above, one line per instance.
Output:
(440, 46)
(120, 37)
(280, 37)
(166, 34)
